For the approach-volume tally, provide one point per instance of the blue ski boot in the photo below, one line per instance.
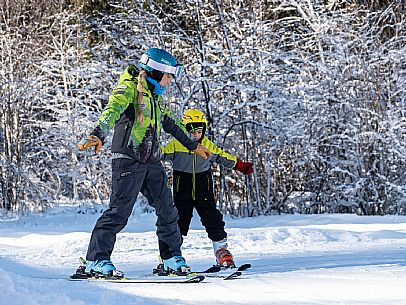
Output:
(177, 265)
(104, 267)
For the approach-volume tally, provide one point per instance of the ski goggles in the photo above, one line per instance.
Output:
(192, 128)
(176, 71)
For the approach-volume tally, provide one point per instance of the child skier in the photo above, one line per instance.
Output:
(193, 184)
(137, 111)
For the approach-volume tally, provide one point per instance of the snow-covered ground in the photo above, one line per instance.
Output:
(297, 259)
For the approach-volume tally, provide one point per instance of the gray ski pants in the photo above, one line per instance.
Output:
(129, 178)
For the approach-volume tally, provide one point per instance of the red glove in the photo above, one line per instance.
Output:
(244, 167)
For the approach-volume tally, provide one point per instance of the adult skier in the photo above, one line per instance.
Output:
(137, 111)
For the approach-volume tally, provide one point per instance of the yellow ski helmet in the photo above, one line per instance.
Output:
(194, 119)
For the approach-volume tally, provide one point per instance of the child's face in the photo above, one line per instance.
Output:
(197, 134)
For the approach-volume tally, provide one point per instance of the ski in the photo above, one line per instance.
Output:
(230, 276)
(239, 268)
(212, 269)
(157, 277)
(243, 267)
(233, 275)
(159, 271)
(145, 280)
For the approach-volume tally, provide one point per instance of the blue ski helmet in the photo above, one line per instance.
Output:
(160, 60)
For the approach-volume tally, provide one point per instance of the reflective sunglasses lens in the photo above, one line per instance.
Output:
(178, 71)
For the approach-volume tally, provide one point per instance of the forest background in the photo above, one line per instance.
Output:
(312, 92)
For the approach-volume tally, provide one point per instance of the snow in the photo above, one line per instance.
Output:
(297, 259)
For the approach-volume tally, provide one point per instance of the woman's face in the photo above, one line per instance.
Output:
(166, 79)
(197, 134)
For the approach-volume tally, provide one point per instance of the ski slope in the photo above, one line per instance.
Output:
(297, 259)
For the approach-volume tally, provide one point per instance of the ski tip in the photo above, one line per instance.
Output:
(244, 267)
(233, 275)
(196, 279)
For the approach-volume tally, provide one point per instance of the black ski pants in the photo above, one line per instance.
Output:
(211, 218)
(129, 178)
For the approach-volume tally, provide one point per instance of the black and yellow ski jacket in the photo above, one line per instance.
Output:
(192, 177)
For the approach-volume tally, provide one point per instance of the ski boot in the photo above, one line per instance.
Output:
(97, 269)
(104, 267)
(176, 265)
(223, 257)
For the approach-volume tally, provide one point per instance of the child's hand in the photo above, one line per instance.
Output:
(243, 167)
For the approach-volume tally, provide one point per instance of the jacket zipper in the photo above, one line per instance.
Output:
(156, 117)
(151, 101)
(193, 177)
(153, 117)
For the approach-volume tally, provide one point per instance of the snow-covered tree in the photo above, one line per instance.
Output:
(312, 92)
